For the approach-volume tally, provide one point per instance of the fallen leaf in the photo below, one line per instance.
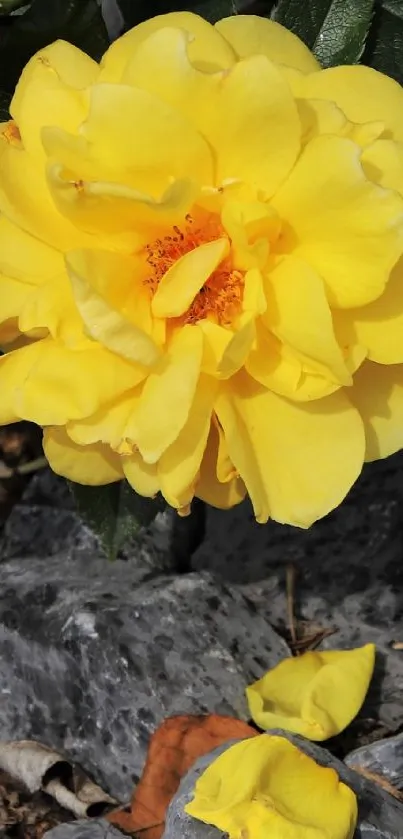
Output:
(173, 749)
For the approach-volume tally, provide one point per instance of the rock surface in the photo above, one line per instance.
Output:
(95, 829)
(380, 815)
(384, 758)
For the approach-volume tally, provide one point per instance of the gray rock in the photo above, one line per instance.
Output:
(95, 829)
(380, 815)
(349, 574)
(384, 757)
(93, 656)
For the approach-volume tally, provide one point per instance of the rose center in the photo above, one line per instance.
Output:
(221, 295)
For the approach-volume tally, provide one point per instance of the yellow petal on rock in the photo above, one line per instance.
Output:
(218, 483)
(316, 694)
(182, 282)
(298, 461)
(108, 293)
(299, 315)
(179, 465)
(254, 35)
(26, 201)
(378, 396)
(348, 87)
(207, 47)
(168, 395)
(142, 476)
(379, 326)
(50, 384)
(356, 233)
(93, 465)
(50, 91)
(164, 147)
(265, 786)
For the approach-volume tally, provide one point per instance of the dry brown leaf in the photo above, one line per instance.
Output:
(173, 749)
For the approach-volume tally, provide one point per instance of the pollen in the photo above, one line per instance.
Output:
(221, 296)
(11, 132)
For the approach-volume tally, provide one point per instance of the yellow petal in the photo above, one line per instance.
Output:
(354, 237)
(286, 451)
(270, 364)
(116, 214)
(299, 315)
(265, 786)
(378, 396)
(143, 477)
(316, 694)
(253, 35)
(50, 91)
(47, 383)
(181, 283)
(348, 87)
(164, 147)
(237, 350)
(91, 465)
(107, 425)
(206, 44)
(168, 395)
(320, 116)
(52, 308)
(383, 163)
(218, 483)
(179, 465)
(216, 339)
(27, 258)
(109, 296)
(379, 326)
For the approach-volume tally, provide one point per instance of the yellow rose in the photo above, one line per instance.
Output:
(200, 274)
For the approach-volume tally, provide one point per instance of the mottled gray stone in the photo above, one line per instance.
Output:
(95, 829)
(384, 757)
(93, 656)
(349, 574)
(380, 815)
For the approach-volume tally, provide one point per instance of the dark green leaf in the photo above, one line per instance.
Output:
(115, 512)
(336, 30)
(384, 49)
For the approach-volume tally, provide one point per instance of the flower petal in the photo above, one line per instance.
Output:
(180, 284)
(382, 161)
(90, 465)
(50, 91)
(164, 147)
(263, 786)
(27, 258)
(110, 297)
(179, 465)
(107, 424)
(317, 694)
(348, 87)
(254, 35)
(378, 396)
(47, 383)
(204, 43)
(142, 476)
(299, 315)
(169, 389)
(378, 326)
(218, 483)
(358, 233)
(286, 451)
(51, 308)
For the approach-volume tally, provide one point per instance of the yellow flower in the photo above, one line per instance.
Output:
(317, 694)
(200, 265)
(267, 787)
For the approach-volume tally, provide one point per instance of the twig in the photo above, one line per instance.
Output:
(290, 586)
(25, 468)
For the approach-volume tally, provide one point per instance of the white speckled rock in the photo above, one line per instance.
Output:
(380, 815)
(95, 829)
(384, 757)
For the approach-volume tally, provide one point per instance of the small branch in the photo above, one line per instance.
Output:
(7, 472)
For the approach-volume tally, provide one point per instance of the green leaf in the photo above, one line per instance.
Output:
(384, 49)
(335, 30)
(115, 512)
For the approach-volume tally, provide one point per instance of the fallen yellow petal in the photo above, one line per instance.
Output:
(266, 787)
(316, 694)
